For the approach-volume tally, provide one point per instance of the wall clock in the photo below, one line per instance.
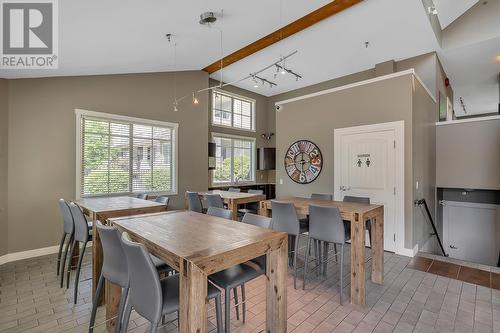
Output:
(303, 161)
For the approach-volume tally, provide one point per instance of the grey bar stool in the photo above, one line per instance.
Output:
(150, 297)
(368, 225)
(234, 189)
(236, 276)
(325, 225)
(82, 236)
(318, 245)
(285, 219)
(214, 200)
(319, 196)
(194, 202)
(68, 233)
(219, 212)
(252, 207)
(143, 196)
(163, 199)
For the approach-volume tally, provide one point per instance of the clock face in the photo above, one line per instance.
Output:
(303, 162)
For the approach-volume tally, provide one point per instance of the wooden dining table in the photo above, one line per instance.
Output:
(234, 199)
(197, 245)
(357, 214)
(103, 208)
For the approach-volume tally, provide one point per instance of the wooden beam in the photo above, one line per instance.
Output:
(302, 23)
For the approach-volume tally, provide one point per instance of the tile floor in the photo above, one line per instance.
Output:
(410, 300)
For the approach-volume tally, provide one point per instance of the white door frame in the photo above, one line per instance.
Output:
(398, 127)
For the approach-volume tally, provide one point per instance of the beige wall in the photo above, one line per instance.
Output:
(468, 155)
(425, 66)
(316, 118)
(261, 121)
(41, 155)
(3, 165)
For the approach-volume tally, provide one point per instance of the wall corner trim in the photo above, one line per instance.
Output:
(410, 71)
(9, 257)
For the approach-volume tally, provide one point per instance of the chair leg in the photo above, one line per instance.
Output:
(218, 314)
(121, 308)
(126, 317)
(236, 303)
(316, 256)
(341, 271)
(63, 262)
(296, 248)
(335, 251)
(78, 268)
(325, 259)
(153, 328)
(244, 305)
(70, 259)
(59, 253)
(227, 305)
(305, 262)
(94, 304)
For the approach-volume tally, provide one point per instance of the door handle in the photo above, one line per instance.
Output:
(344, 188)
(453, 247)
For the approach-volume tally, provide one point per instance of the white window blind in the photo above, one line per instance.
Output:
(230, 110)
(234, 159)
(123, 155)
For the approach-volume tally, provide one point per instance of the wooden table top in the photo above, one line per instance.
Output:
(232, 195)
(109, 204)
(211, 243)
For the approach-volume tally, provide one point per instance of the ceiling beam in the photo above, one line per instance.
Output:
(302, 23)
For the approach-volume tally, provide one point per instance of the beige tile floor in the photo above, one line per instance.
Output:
(409, 301)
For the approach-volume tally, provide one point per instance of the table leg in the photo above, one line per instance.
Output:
(193, 298)
(378, 248)
(277, 271)
(97, 259)
(358, 259)
(113, 294)
(263, 209)
(233, 206)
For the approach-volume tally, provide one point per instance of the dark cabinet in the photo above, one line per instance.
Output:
(266, 158)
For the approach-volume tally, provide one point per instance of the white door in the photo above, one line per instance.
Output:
(366, 162)
(469, 231)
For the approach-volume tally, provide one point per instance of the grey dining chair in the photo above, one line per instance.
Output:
(115, 270)
(81, 237)
(285, 219)
(236, 276)
(368, 225)
(143, 196)
(151, 297)
(234, 189)
(214, 200)
(67, 235)
(252, 207)
(319, 196)
(219, 212)
(325, 225)
(194, 202)
(163, 199)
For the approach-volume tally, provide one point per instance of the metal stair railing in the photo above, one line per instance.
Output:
(420, 203)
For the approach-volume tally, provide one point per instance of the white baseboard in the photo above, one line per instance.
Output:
(408, 252)
(10, 257)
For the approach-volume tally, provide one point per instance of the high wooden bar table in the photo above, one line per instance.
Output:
(197, 245)
(103, 208)
(233, 199)
(357, 214)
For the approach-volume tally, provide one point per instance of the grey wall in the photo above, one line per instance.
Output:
(41, 154)
(3, 165)
(468, 155)
(316, 118)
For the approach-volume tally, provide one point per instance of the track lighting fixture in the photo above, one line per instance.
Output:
(175, 106)
(195, 100)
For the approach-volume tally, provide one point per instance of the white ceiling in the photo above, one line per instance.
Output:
(450, 10)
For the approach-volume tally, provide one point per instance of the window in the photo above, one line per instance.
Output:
(123, 155)
(230, 110)
(234, 159)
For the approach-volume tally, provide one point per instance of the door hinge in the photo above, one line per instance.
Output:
(394, 144)
(394, 190)
(394, 237)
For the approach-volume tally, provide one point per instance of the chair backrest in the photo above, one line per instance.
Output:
(145, 294)
(214, 200)
(256, 191)
(114, 266)
(219, 212)
(163, 199)
(143, 196)
(350, 198)
(285, 217)
(194, 202)
(234, 189)
(81, 226)
(257, 220)
(318, 196)
(68, 224)
(325, 224)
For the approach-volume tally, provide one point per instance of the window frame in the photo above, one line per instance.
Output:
(253, 167)
(80, 113)
(233, 96)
